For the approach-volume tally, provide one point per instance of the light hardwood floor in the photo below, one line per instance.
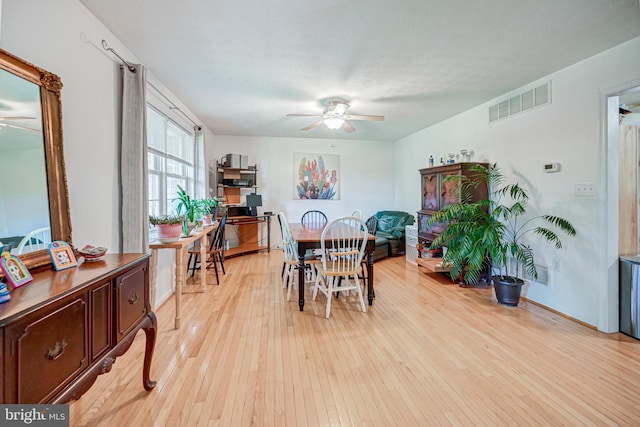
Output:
(426, 353)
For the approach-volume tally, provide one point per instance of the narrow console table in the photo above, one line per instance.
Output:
(181, 246)
(63, 329)
(248, 234)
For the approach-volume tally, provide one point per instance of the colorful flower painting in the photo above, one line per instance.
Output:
(316, 176)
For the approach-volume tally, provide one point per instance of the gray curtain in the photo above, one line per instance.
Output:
(134, 209)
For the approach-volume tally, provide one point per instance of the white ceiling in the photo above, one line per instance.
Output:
(242, 65)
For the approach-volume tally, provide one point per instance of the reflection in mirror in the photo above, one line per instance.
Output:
(27, 126)
(24, 204)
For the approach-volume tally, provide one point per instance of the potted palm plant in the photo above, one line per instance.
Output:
(483, 236)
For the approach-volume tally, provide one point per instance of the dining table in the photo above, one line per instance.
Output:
(309, 237)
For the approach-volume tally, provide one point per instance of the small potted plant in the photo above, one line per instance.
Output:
(192, 210)
(169, 227)
(210, 208)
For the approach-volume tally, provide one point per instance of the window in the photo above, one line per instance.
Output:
(171, 152)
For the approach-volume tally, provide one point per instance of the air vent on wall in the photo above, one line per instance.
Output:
(543, 275)
(520, 103)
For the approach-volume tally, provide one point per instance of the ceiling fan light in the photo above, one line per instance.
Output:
(334, 122)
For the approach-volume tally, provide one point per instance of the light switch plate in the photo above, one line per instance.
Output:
(585, 189)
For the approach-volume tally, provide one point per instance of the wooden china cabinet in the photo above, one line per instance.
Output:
(437, 193)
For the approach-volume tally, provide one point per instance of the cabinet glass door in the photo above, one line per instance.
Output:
(449, 189)
(430, 191)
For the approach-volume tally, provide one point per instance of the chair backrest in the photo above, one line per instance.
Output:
(288, 243)
(372, 225)
(34, 241)
(343, 242)
(217, 243)
(357, 213)
(314, 219)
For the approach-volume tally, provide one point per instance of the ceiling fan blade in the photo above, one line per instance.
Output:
(304, 115)
(347, 127)
(356, 117)
(340, 108)
(312, 125)
(16, 118)
(19, 127)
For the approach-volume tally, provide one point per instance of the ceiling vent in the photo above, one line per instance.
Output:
(525, 101)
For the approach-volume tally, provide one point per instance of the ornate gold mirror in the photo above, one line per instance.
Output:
(31, 149)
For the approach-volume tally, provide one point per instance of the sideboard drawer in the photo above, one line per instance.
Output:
(101, 321)
(411, 240)
(47, 352)
(132, 299)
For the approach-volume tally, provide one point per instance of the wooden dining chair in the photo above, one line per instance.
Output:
(290, 247)
(215, 253)
(372, 227)
(357, 213)
(343, 242)
(315, 219)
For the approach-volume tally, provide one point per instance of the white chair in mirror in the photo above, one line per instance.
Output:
(35, 240)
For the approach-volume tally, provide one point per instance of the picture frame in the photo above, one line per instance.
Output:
(62, 256)
(316, 176)
(14, 270)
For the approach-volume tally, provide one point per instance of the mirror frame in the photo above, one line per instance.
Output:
(50, 87)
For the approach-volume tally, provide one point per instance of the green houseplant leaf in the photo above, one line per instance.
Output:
(493, 230)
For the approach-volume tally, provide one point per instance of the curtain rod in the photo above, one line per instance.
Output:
(129, 66)
(173, 106)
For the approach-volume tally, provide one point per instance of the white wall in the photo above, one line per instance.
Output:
(64, 38)
(569, 131)
(367, 175)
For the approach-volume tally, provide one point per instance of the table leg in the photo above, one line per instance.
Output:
(268, 234)
(180, 277)
(204, 244)
(370, 293)
(300, 281)
(153, 276)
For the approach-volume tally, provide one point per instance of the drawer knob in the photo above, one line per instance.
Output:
(134, 298)
(57, 350)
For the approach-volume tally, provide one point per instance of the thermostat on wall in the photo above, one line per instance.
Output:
(551, 167)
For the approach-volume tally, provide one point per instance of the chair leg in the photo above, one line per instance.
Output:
(195, 262)
(329, 296)
(215, 267)
(221, 258)
(363, 306)
(319, 278)
(291, 274)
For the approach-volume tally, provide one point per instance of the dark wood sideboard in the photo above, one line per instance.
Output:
(63, 329)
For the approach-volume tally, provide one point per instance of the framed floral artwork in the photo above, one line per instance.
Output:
(316, 176)
(14, 270)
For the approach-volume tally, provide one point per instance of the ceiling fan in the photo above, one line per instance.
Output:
(335, 117)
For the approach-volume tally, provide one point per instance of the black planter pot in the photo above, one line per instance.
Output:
(508, 289)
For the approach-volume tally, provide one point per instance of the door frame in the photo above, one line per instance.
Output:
(608, 310)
